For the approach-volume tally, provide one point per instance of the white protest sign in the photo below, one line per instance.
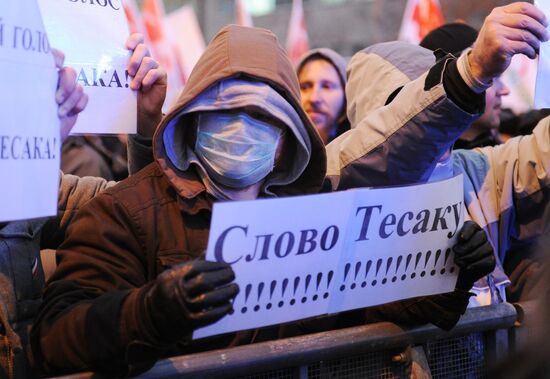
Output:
(29, 131)
(308, 256)
(92, 34)
(542, 86)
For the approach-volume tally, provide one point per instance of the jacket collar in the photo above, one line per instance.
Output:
(193, 197)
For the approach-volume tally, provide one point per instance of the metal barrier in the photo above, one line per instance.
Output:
(369, 351)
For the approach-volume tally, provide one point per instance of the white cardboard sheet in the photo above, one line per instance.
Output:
(542, 86)
(308, 256)
(92, 35)
(29, 131)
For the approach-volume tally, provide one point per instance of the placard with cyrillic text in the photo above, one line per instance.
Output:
(92, 35)
(29, 130)
(308, 256)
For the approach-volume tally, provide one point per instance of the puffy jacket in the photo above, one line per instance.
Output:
(506, 187)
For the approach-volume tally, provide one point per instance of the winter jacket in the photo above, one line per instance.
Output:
(21, 274)
(506, 187)
(93, 310)
(21, 271)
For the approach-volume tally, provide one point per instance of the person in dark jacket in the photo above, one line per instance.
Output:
(134, 287)
(322, 76)
(21, 272)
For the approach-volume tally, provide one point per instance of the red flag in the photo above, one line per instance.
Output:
(189, 41)
(242, 17)
(162, 47)
(297, 41)
(420, 18)
(135, 22)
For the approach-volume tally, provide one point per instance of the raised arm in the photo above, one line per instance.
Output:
(420, 112)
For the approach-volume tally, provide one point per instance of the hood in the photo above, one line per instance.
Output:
(340, 64)
(330, 56)
(241, 54)
(378, 71)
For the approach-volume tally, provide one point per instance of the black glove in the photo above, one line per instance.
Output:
(189, 296)
(473, 254)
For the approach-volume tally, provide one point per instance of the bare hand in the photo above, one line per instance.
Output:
(149, 79)
(517, 28)
(69, 96)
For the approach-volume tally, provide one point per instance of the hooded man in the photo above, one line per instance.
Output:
(395, 108)
(238, 131)
(129, 275)
(322, 76)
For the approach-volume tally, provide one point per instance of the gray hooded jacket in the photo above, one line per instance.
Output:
(507, 187)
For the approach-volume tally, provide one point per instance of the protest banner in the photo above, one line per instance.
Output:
(308, 256)
(29, 132)
(542, 86)
(92, 35)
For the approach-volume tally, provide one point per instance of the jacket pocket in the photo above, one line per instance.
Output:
(170, 258)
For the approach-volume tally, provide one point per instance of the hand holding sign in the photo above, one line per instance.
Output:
(149, 79)
(92, 36)
(69, 96)
(367, 247)
(189, 296)
(473, 255)
(516, 28)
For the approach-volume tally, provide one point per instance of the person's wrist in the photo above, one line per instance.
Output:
(472, 72)
(147, 124)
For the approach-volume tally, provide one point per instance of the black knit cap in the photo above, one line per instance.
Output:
(453, 38)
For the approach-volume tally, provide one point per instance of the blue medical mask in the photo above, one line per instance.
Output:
(443, 170)
(236, 149)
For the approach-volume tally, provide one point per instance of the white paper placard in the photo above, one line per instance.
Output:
(307, 256)
(542, 86)
(29, 131)
(92, 35)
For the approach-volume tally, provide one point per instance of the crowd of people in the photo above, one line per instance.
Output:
(131, 274)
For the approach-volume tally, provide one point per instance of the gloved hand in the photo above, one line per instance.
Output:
(189, 296)
(473, 254)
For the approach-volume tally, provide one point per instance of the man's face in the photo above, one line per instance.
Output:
(323, 97)
(240, 148)
(490, 119)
